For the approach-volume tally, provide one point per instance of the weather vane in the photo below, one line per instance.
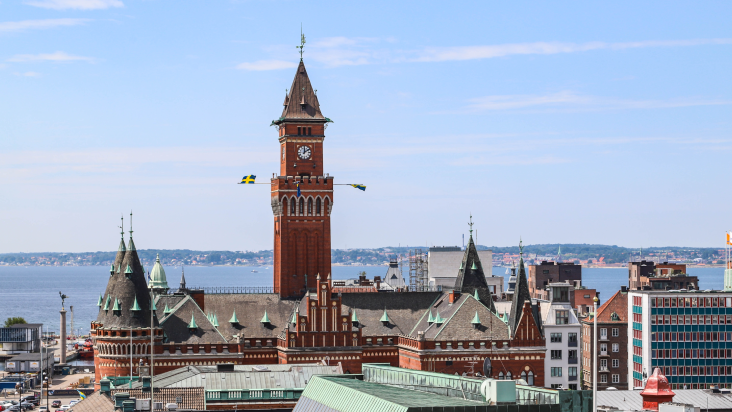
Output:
(521, 246)
(302, 42)
(470, 223)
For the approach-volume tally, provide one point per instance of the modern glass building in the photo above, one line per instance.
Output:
(688, 334)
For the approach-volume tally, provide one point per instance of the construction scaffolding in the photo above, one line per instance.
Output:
(418, 272)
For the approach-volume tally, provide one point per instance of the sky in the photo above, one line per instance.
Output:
(553, 122)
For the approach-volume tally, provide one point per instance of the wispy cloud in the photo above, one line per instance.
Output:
(23, 25)
(74, 4)
(567, 100)
(438, 54)
(58, 56)
(261, 65)
(28, 74)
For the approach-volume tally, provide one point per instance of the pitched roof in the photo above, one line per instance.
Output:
(187, 398)
(249, 310)
(404, 310)
(302, 102)
(471, 278)
(95, 402)
(617, 304)
(122, 289)
(457, 318)
(521, 294)
(185, 313)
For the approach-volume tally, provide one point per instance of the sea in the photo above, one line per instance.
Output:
(32, 292)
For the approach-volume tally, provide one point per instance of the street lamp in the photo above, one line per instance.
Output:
(594, 355)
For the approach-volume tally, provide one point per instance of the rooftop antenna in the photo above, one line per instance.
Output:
(302, 42)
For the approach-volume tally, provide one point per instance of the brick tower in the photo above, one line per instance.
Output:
(301, 223)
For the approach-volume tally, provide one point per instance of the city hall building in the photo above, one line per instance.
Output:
(686, 333)
(304, 317)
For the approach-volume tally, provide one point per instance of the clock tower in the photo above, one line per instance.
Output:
(301, 223)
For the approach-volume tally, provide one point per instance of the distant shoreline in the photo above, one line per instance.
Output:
(342, 265)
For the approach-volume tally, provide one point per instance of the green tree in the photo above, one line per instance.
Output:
(14, 321)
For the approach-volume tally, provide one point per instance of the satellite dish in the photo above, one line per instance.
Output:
(487, 368)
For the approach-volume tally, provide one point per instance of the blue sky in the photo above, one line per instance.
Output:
(558, 122)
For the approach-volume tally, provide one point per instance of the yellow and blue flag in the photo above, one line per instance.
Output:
(246, 180)
(360, 187)
(297, 184)
(81, 395)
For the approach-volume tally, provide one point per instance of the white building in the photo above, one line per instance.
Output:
(444, 264)
(562, 331)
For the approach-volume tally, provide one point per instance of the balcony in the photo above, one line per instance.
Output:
(603, 353)
(604, 369)
(572, 378)
(572, 361)
(603, 337)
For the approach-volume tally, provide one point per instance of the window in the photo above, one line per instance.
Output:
(616, 347)
(556, 372)
(572, 337)
(562, 317)
(616, 363)
(603, 347)
(500, 375)
(616, 332)
(545, 271)
(616, 378)
(293, 212)
(572, 354)
(572, 372)
(603, 364)
(603, 378)
(560, 294)
(509, 376)
(317, 207)
(556, 337)
(603, 333)
(310, 130)
(301, 212)
(310, 207)
(531, 378)
(556, 386)
(556, 354)
(573, 386)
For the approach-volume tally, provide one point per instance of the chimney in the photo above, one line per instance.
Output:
(119, 398)
(623, 289)
(657, 391)
(454, 295)
(145, 383)
(128, 406)
(104, 386)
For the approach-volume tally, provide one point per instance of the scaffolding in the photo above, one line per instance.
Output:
(418, 272)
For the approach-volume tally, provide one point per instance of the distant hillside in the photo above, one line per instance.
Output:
(570, 252)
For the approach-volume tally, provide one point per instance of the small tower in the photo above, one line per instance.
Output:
(158, 281)
(657, 391)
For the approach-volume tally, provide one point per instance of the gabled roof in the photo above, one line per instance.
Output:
(301, 102)
(617, 304)
(404, 310)
(187, 313)
(455, 321)
(471, 278)
(521, 295)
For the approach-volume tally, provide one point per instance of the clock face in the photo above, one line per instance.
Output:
(304, 152)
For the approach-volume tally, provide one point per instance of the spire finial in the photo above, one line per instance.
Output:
(122, 227)
(470, 223)
(521, 247)
(130, 224)
(302, 42)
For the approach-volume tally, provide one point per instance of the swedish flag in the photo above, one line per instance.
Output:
(248, 180)
(81, 395)
(360, 187)
(297, 184)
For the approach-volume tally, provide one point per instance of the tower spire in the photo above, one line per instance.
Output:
(302, 42)
(470, 223)
(130, 224)
(122, 227)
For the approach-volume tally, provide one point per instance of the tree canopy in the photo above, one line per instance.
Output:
(16, 320)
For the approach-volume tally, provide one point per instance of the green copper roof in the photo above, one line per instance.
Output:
(475, 295)
(128, 270)
(116, 304)
(106, 303)
(119, 267)
(354, 317)
(438, 319)
(265, 318)
(132, 244)
(234, 319)
(384, 317)
(157, 276)
(215, 321)
(431, 319)
(192, 325)
(474, 267)
(294, 318)
(462, 265)
(99, 302)
(155, 306)
(476, 319)
(135, 306)
(167, 310)
(111, 270)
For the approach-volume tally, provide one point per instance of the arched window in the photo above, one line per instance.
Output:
(317, 207)
(292, 208)
(531, 378)
(302, 207)
(500, 375)
(509, 376)
(284, 205)
(327, 203)
(523, 375)
(310, 207)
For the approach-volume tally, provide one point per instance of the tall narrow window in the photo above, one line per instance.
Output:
(284, 205)
(292, 208)
(310, 130)
(317, 207)
(299, 130)
(327, 203)
(310, 207)
(302, 207)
